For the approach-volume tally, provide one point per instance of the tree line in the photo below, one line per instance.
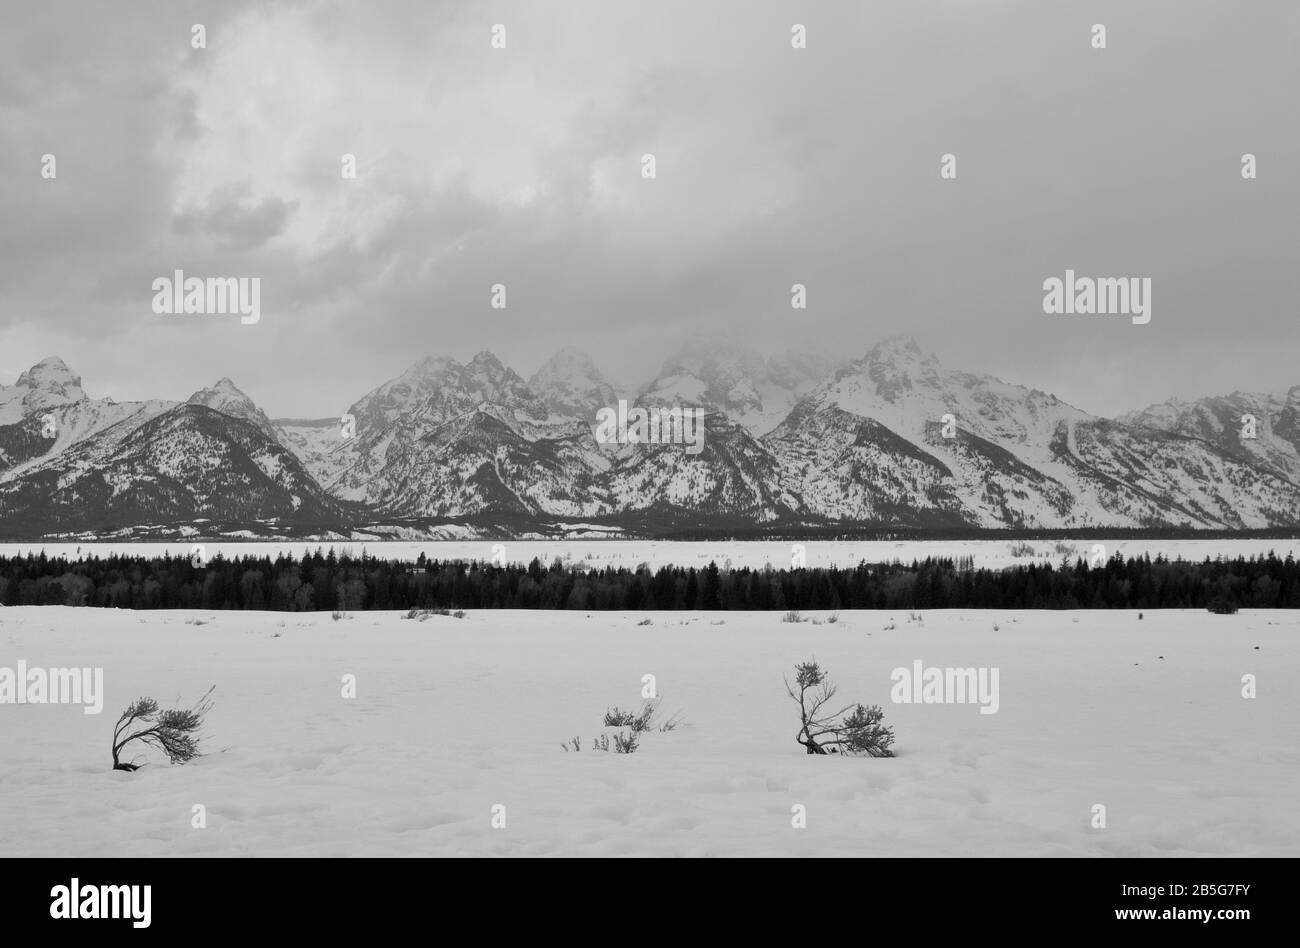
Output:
(330, 582)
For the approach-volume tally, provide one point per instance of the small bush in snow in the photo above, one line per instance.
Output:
(423, 614)
(174, 732)
(616, 718)
(850, 730)
(645, 622)
(792, 616)
(647, 719)
(638, 724)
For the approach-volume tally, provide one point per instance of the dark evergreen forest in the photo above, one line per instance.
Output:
(327, 581)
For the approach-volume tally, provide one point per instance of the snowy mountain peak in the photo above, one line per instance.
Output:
(223, 392)
(429, 366)
(570, 384)
(715, 371)
(904, 353)
(226, 397)
(799, 370)
(896, 346)
(569, 361)
(487, 366)
(892, 437)
(48, 385)
(52, 376)
(718, 356)
(898, 367)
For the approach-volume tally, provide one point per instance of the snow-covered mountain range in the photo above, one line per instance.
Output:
(891, 438)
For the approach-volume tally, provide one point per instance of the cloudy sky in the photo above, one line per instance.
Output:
(775, 165)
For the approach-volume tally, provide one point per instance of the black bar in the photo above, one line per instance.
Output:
(984, 898)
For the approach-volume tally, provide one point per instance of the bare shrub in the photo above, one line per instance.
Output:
(616, 718)
(853, 729)
(174, 732)
(423, 614)
(638, 723)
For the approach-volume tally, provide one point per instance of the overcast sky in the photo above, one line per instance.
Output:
(775, 165)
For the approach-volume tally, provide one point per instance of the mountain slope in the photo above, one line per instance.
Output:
(187, 463)
(892, 438)
(1015, 457)
(46, 412)
(1221, 421)
(226, 398)
(569, 384)
(719, 374)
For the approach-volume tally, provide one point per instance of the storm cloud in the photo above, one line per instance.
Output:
(522, 166)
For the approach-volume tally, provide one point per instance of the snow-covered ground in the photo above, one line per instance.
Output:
(455, 716)
(752, 553)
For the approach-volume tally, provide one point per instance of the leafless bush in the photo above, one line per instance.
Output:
(174, 732)
(638, 723)
(850, 730)
(423, 614)
(616, 718)
(647, 719)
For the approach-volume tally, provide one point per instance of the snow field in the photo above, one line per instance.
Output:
(454, 716)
